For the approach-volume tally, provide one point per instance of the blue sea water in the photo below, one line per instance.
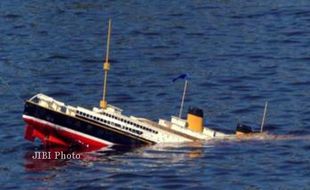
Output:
(238, 55)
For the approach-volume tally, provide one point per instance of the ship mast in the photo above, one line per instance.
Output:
(106, 68)
(183, 97)
(264, 117)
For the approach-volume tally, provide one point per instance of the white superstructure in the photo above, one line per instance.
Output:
(173, 131)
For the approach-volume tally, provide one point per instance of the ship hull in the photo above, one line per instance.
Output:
(55, 128)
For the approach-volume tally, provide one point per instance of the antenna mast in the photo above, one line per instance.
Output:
(106, 68)
(264, 117)
(183, 97)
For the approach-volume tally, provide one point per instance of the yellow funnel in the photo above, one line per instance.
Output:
(195, 119)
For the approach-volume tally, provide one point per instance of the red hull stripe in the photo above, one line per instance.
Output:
(42, 125)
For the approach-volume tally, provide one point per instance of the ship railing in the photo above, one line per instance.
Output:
(52, 104)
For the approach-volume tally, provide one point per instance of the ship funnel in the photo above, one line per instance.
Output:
(195, 119)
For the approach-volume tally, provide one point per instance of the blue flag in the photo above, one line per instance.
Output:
(182, 76)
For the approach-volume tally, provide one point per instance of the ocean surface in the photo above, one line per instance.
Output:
(238, 55)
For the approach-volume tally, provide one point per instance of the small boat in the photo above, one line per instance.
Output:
(55, 123)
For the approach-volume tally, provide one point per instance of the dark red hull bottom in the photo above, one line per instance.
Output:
(54, 135)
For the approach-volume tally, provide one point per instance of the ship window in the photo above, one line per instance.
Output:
(63, 109)
(35, 100)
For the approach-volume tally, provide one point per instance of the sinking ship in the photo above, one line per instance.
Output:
(55, 123)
